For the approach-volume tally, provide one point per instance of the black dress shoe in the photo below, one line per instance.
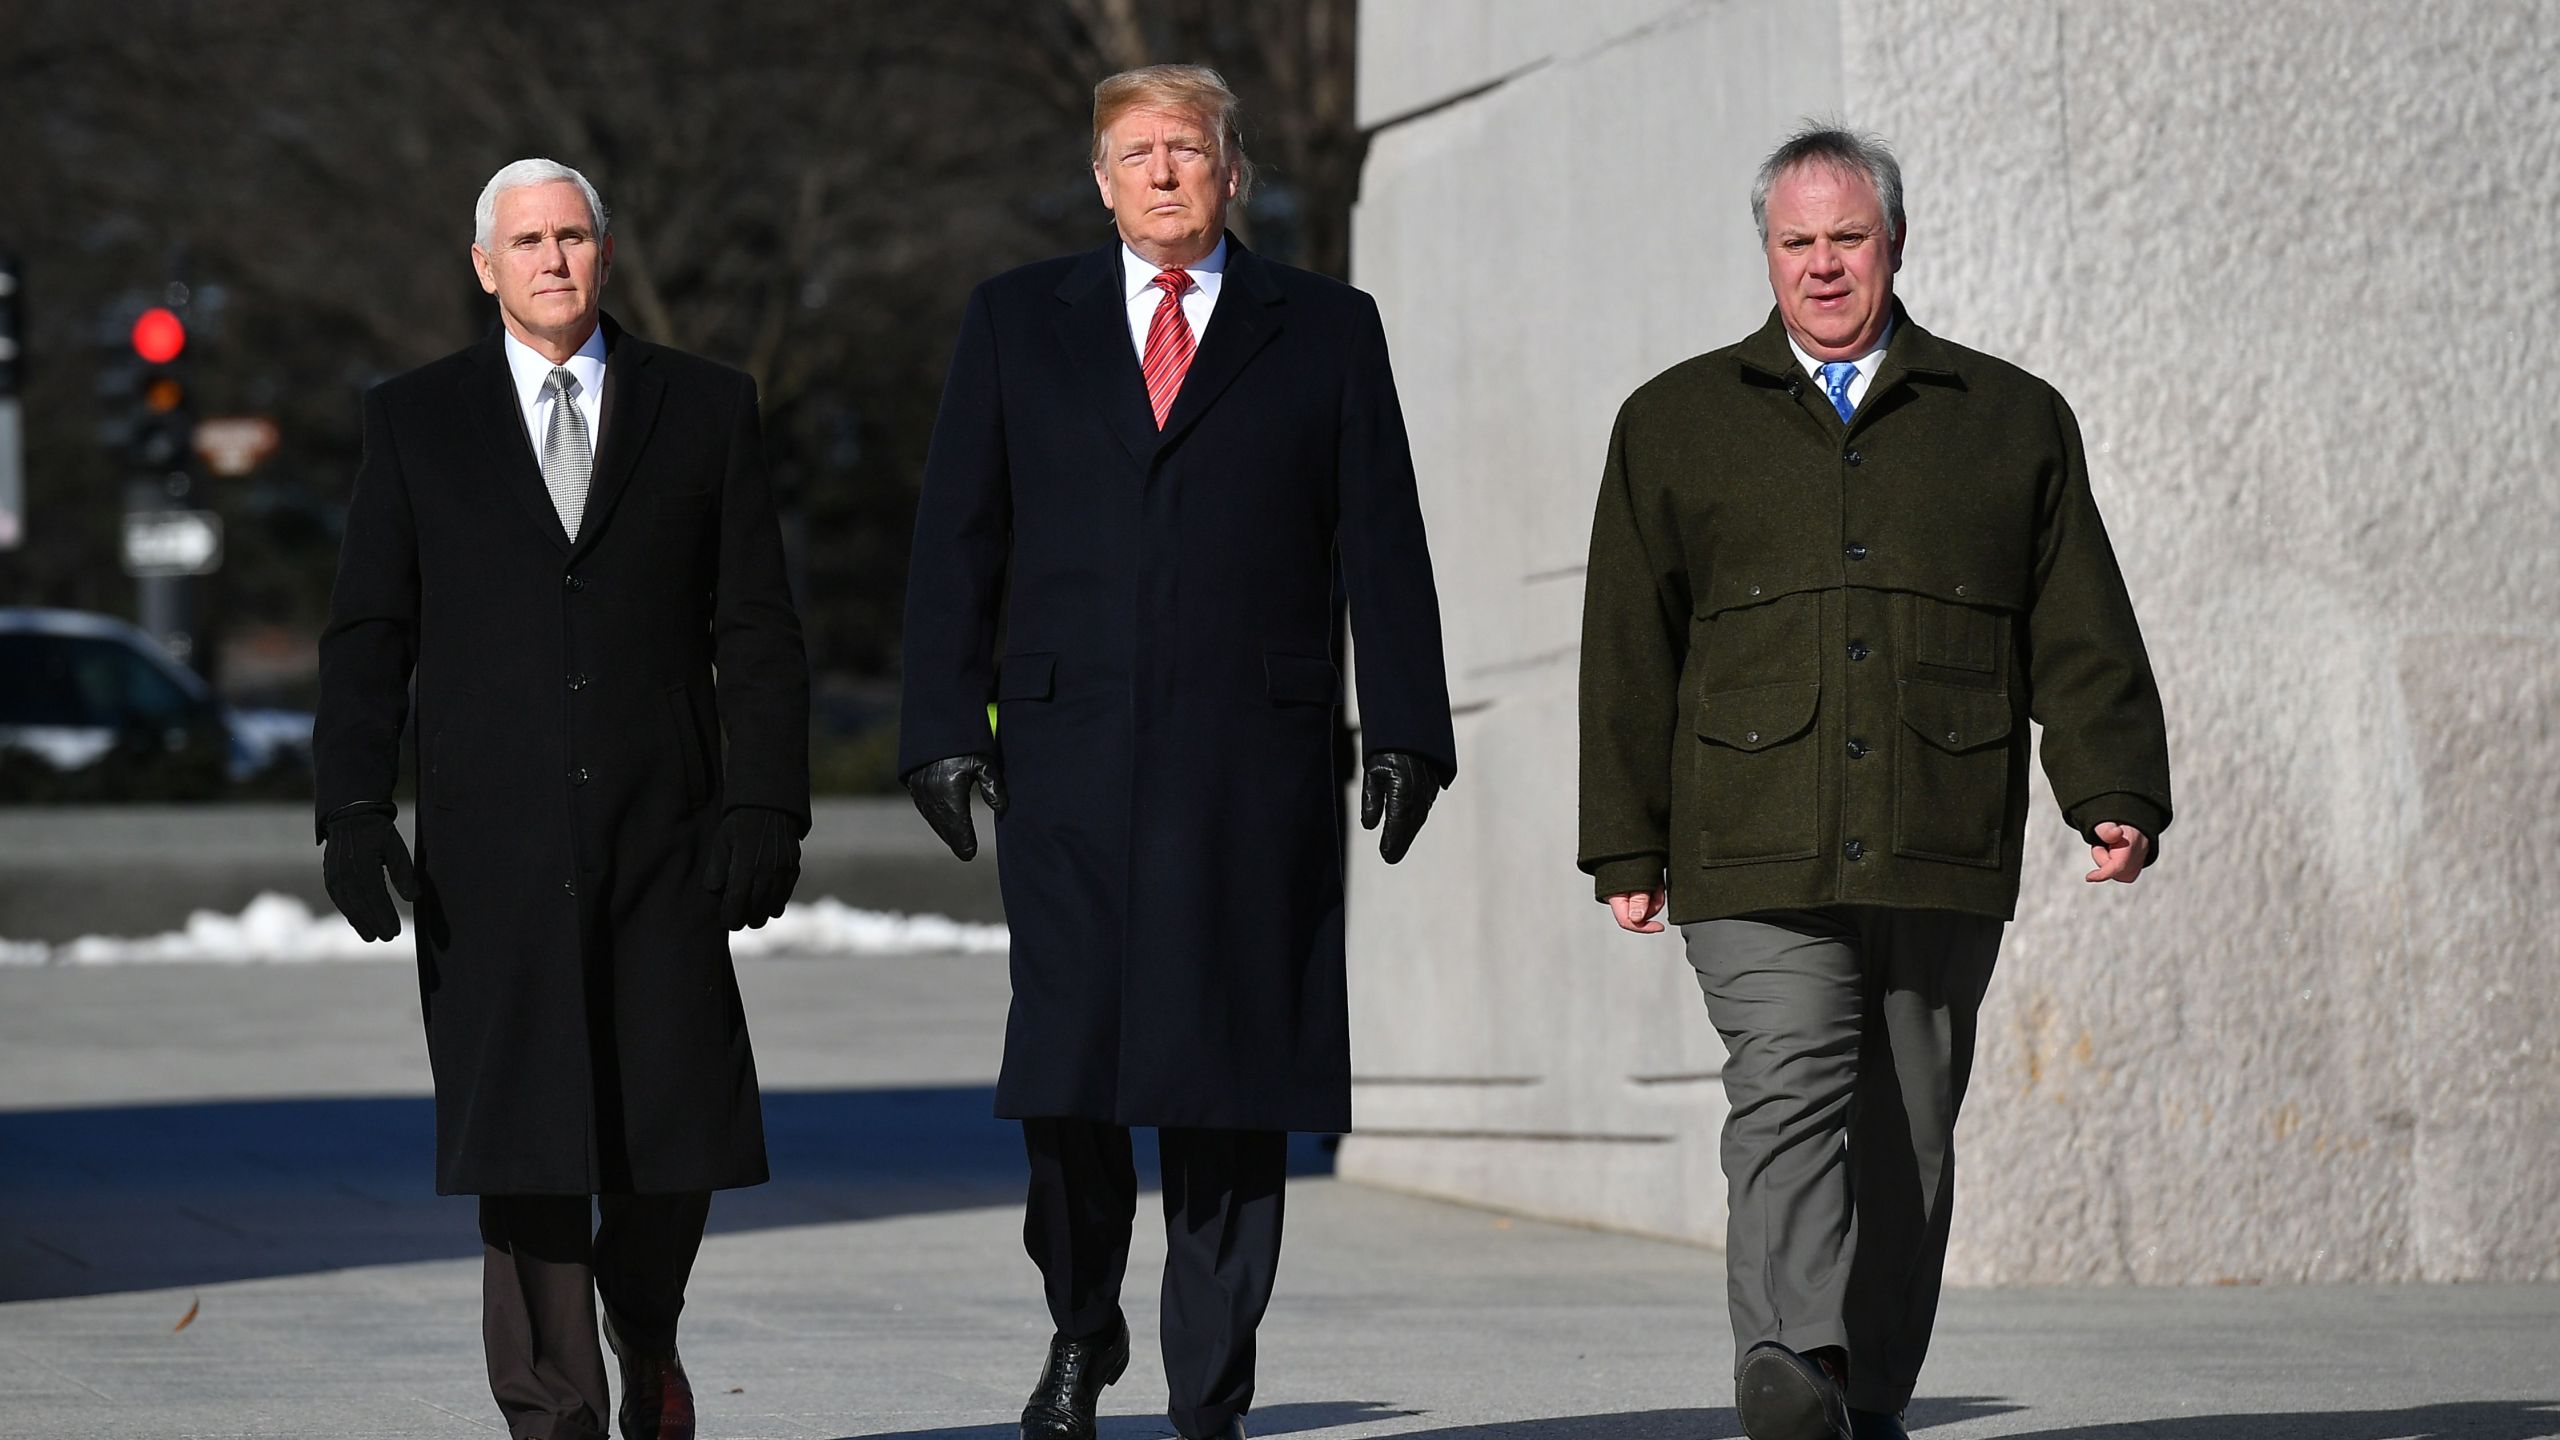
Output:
(1061, 1406)
(1781, 1395)
(657, 1399)
(1876, 1425)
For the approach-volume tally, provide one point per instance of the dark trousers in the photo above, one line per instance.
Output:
(1222, 1203)
(544, 1263)
(1849, 1032)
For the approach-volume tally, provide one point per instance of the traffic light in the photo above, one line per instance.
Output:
(12, 330)
(162, 424)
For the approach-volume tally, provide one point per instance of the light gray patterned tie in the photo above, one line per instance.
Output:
(567, 453)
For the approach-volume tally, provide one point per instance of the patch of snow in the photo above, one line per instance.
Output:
(280, 929)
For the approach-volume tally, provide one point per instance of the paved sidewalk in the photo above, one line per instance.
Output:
(251, 1143)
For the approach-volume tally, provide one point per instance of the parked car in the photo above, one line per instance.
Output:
(92, 707)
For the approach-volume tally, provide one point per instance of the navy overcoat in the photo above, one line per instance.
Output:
(582, 1019)
(1166, 677)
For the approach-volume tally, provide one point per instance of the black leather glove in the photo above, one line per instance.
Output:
(941, 792)
(755, 860)
(1397, 787)
(364, 846)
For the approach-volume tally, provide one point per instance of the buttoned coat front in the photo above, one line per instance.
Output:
(1171, 859)
(583, 1022)
(1811, 650)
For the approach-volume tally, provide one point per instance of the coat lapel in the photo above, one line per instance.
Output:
(1911, 353)
(496, 415)
(1767, 359)
(632, 391)
(1094, 327)
(1246, 318)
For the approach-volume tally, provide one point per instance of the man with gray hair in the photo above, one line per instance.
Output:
(1835, 571)
(563, 535)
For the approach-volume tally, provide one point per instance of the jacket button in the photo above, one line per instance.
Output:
(1751, 738)
(578, 682)
(1858, 651)
(1959, 590)
(1854, 458)
(1951, 737)
(568, 887)
(1855, 850)
(1856, 552)
(579, 776)
(573, 582)
(1755, 592)
(1858, 750)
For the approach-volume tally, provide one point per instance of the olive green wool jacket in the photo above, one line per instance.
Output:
(1810, 651)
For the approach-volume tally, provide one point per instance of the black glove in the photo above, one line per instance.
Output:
(364, 846)
(755, 860)
(941, 792)
(1398, 786)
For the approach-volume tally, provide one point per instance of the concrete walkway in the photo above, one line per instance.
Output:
(251, 1144)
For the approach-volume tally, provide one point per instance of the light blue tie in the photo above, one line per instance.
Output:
(1835, 379)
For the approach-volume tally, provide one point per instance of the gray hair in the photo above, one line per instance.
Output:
(521, 173)
(1837, 147)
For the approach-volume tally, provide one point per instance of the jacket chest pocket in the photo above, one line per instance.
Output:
(1951, 774)
(1943, 636)
(1759, 774)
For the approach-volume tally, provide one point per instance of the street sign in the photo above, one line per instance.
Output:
(235, 444)
(172, 542)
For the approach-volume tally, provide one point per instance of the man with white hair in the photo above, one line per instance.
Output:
(1154, 462)
(563, 535)
(1836, 569)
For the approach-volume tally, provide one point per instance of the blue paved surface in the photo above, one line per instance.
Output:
(147, 1197)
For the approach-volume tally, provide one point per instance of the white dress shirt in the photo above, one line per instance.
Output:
(1867, 365)
(531, 368)
(1139, 275)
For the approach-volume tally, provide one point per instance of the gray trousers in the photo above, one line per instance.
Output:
(1849, 1032)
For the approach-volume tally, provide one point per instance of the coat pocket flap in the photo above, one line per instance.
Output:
(1761, 716)
(1302, 679)
(1955, 719)
(1026, 677)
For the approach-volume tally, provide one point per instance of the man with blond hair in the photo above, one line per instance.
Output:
(1835, 571)
(1154, 462)
(562, 535)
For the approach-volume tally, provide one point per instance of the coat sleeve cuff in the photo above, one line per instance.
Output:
(800, 819)
(375, 807)
(2123, 808)
(1631, 875)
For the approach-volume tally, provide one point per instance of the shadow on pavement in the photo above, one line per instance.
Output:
(149, 1197)
(2468, 1420)
(1300, 1419)
(2459, 1420)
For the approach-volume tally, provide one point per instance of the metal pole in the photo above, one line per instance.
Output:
(13, 475)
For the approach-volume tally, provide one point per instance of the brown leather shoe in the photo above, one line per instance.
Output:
(657, 1400)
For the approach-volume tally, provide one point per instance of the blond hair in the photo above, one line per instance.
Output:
(1192, 89)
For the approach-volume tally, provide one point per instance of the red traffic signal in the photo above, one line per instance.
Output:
(159, 336)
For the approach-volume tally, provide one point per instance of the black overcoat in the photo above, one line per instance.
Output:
(582, 1019)
(1171, 861)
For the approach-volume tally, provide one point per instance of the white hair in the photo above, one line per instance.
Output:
(517, 175)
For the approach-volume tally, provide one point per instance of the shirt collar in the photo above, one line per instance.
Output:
(1137, 272)
(531, 368)
(1866, 363)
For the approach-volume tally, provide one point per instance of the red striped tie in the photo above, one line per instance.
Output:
(1168, 345)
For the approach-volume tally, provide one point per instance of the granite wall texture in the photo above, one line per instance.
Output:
(2294, 264)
